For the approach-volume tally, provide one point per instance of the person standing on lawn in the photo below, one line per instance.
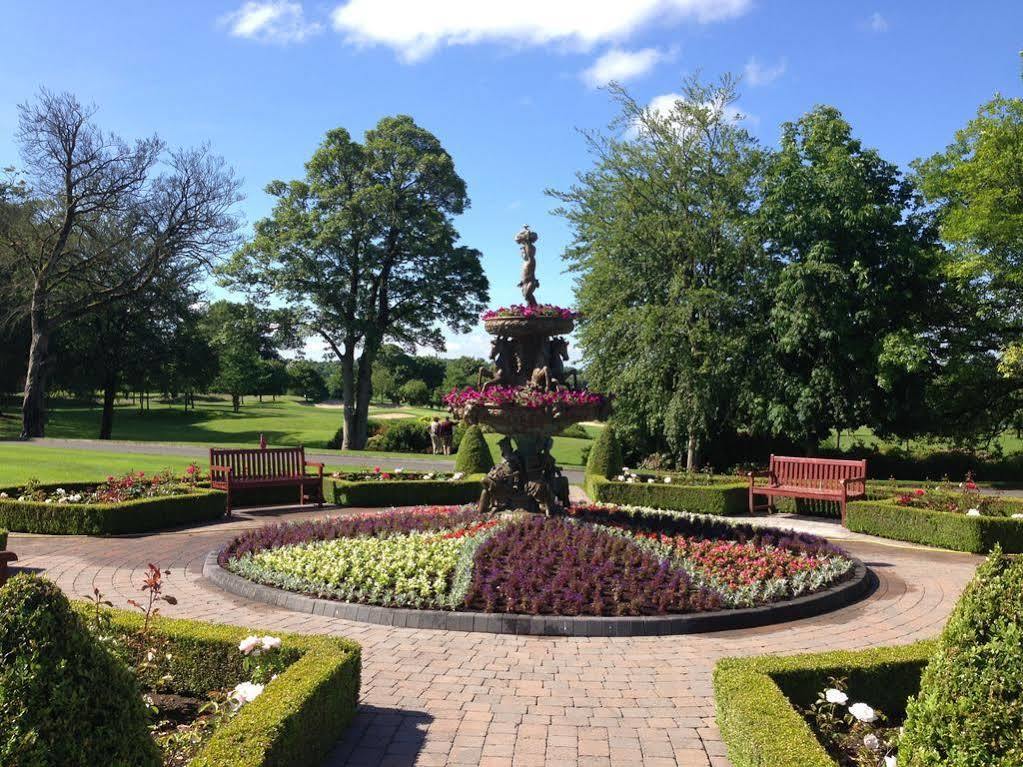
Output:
(435, 444)
(447, 433)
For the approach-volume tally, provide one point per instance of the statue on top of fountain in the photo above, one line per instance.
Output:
(529, 283)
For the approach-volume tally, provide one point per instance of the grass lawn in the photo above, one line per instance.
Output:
(1008, 441)
(20, 462)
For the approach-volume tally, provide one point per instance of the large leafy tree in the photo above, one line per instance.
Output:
(91, 219)
(365, 249)
(669, 283)
(976, 188)
(856, 279)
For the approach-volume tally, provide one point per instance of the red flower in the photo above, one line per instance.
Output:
(919, 491)
(971, 485)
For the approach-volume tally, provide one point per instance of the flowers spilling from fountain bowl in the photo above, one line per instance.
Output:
(521, 396)
(524, 310)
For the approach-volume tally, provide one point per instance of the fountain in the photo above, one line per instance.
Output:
(526, 397)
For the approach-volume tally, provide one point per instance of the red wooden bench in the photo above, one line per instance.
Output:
(822, 479)
(243, 468)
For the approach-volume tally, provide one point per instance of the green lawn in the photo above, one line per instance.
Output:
(20, 462)
(1008, 441)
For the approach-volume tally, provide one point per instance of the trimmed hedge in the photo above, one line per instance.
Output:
(473, 456)
(300, 715)
(969, 712)
(756, 698)
(943, 529)
(406, 492)
(3, 539)
(721, 498)
(138, 516)
(605, 457)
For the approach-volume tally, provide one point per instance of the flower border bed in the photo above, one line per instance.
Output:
(721, 499)
(299, 717)
(137, 516)
(756, 697)
(943, 529)
(406, 492)
(858, 585)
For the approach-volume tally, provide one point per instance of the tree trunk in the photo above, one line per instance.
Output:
(692, 452)
(348, 397)
(236, 402)
(33, 406)
(106, 423)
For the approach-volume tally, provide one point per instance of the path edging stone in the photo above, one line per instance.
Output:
(860, 584)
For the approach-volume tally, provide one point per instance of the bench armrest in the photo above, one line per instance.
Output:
(214, 469)
(850, 480)
(8, 556)
(316, 465)
(764, 473)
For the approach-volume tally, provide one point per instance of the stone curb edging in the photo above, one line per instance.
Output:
(850, 590)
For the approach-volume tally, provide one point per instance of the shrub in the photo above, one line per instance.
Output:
(575, 431)
(756, 699)
(375, 492)
(947, 530)
(64, 699)
(414, 392)
(3, 539)
(402, 437)
(473, 455)
(135, 516)
(723, 497)
(605, 458)
(372, 429)
(969, 712)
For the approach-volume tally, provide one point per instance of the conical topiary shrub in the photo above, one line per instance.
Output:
(473, 456)
(606, 454)
(969, 712)
(65, 701)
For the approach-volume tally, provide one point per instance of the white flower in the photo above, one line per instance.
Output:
(651, 480)
(271, 643)
(60, 491)
(890, 761)
(863, 712)
(428, 476)
(399, 470)
(1017, 516)
(246, 692)
(973, 512)
(150, 656)
(457, 475)
(870, 741)
(835, 696)
(4, 495)
(249, 644)
(667, 480)
(625, 469)
(620, 478)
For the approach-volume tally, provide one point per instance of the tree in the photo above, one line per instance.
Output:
(306, 381)
(857, 278)
(460, 372)
(669, 284)
(976, 189)
(414, 392)
(91, 221)
(365, 246)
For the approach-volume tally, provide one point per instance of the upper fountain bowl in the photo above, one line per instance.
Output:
(529, 320)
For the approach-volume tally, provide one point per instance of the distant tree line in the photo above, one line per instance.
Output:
(737, 293)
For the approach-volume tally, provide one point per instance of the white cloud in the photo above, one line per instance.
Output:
(878, 23)
(662, 106)
(271, 21)
(415, 28)
(621, 65)
(755, 74)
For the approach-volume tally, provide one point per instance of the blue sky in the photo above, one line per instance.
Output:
(504, 85)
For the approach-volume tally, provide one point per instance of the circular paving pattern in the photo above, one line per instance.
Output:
(432, 697)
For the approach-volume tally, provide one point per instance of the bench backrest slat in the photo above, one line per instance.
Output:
(815, 472)
(260, 463)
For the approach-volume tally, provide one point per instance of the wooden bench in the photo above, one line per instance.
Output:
(244, 468)
(6, 557)
(822, 479)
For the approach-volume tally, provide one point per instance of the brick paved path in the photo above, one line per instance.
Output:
(448, 698)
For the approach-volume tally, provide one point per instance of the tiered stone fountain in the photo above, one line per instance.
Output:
(526, 397)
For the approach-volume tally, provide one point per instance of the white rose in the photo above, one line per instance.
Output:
(620, 478)
(399, 470)
(4, 495)
(457, 475)
(249, 644)
(667, 480)
(1017, 516)
(890, 761)
(836, 696)
(651, 480)
(973, 512)
(246, 692)
(870, 741)
(271, 643)
(863, 712)
(625, 468)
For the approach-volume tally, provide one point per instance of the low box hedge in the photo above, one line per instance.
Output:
(300, 715)
(756, 698)
(721, 497)
(405, 492)
(3, 539)
(137, 516)
(946, 530)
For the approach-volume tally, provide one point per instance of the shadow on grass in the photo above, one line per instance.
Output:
(379, 736)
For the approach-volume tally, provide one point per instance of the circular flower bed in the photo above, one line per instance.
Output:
(597, 561)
